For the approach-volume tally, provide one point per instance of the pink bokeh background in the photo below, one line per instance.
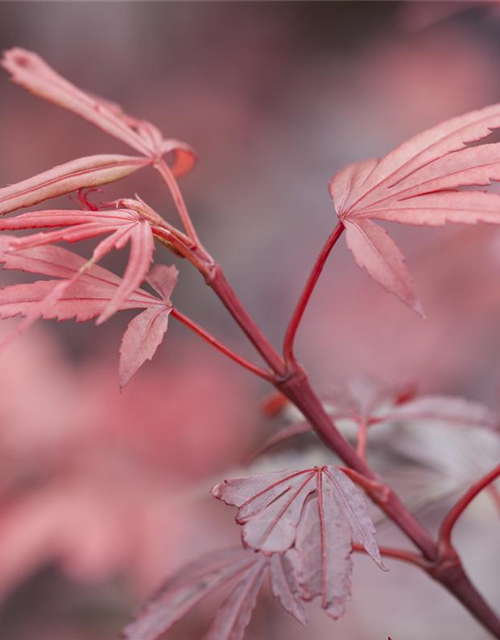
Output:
(101, 493)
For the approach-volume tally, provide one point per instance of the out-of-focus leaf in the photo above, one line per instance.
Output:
(193, 583)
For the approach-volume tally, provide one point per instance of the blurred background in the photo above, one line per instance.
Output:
(103, 494)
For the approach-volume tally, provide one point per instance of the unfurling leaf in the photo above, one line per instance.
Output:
(363, 402)
(91, 171)
(418, 184)
(313, 517)
(30, 71)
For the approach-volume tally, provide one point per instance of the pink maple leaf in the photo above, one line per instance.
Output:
(311, 515)
(122, 225)
(418, 183)
(201, 577)
(31, 72)
(91, 171)
(88, 296)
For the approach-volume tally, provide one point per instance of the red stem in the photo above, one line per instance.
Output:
(295, 386)
(291, 380)
(262, 373)
(217, 281)
(291, 332)
(457, 510)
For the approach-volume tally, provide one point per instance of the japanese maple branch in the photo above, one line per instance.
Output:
(205, 335)
(291, 380)
(291, 332)
(457, 510)
(294, 384)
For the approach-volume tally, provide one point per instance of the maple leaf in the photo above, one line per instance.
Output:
(364, 402)
(87, 295)
(31, 72)
(201, 577)
(432, 446)
(91, 171)
(418, 184)
(313, 515)
(122, 225)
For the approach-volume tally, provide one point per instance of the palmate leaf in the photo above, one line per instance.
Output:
(84, 294)
(122, 225)
(31, 72)
(314, 561)
(197, 580)
(313, 517)
(418, 183)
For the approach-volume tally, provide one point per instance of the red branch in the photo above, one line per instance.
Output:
(190, 324)
(291, 381)
(457, 510)
(291, 332)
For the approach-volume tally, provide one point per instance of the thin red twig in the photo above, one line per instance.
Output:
(293, 325)
(462, 504)
(291, 380)
(205, 335)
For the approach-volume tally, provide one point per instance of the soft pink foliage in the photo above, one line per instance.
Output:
(277, 513)
(299, 528)
(33, 73)
(417, 184)
(83, 173)
(366, 403)
(121, 226)
(198, 579)
(92, 487)
(88, 296)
